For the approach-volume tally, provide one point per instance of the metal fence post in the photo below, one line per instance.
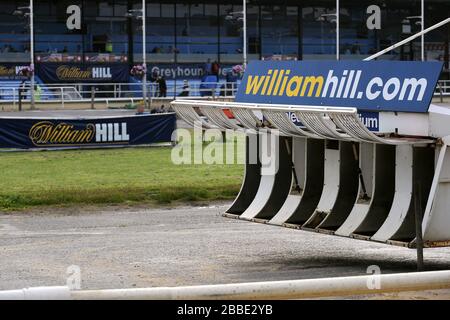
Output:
(20, 99)
(14, 98)
(418, 220)
(92, 97)
(62, 97)
(441, 92)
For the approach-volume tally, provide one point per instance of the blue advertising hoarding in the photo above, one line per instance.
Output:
(368, 86)
(75, 72)
(11, 71)
(182, 71)
(26, 133)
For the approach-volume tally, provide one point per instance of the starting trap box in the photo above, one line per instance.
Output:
(360, 151)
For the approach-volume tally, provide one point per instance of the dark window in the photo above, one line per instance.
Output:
(279, 30)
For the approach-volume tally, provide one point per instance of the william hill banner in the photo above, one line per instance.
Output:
(368, 86)
(9, 71)
(24, 133)
(74, 72)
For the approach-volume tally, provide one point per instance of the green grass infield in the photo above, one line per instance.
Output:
(110, 176)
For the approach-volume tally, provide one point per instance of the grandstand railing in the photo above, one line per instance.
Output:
(114, 92)
(132, 92)
(443, 88)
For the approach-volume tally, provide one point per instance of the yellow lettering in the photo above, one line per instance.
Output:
(283, 86)
(46, 133)
(266, 83)
(254, 83)
(277, 86)
(313, 82)
(298, 84)
(272, 82)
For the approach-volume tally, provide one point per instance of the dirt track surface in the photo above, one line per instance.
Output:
(138, 247)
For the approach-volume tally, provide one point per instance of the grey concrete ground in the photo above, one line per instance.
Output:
(136, 247)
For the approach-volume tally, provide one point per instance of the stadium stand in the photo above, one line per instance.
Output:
(9, 90)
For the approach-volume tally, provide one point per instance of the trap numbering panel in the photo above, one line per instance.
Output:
(359, 150)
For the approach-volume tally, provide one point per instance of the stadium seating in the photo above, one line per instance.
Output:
(9, 90)
(316, 41)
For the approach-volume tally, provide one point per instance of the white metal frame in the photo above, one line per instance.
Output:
(331, 186)
(299, 160)
(403, 195)
(320, 122)
(436, 221)
(267, 150)
(361, 208)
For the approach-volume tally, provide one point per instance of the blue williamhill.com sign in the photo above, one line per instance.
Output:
(368, 86)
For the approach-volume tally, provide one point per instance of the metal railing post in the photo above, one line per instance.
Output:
(418, 215)
(20, 99)
(14, 98)
(92, 97)
(441, 93)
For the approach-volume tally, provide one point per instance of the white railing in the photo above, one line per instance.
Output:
(443, 88)
(114, 92)
(271, 290)
(60, 94)
(126, 90)
(131, 93)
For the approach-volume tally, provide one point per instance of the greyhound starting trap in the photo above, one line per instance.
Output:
(371, 165)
